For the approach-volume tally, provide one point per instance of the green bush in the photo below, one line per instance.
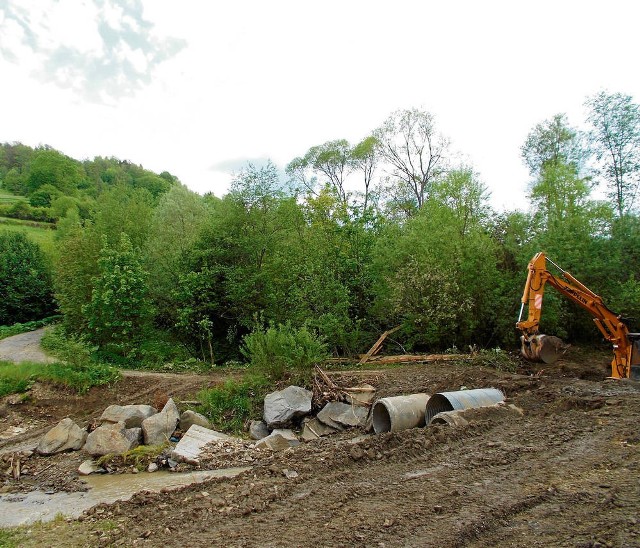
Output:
(10, 385)
(26, 292)
(77, 368)
(281, 351)
(230, 405)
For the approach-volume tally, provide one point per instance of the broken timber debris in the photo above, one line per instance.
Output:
(377, 345)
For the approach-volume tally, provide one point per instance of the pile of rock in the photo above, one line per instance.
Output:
(121, 428)
(292, 406)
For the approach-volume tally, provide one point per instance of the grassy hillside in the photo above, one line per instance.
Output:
(40, 233)
(7, 197)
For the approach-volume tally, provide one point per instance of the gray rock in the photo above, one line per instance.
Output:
(134, 435)
(189, 418)
(258, 430)
(190, 446)
(89, 467)
(287, 435)
(158, 428)
(110, 439)
(343, 414)
(278, 440)
(314, 429)
(65, 436)
(131, 415)
(153, 467)
(283, 406)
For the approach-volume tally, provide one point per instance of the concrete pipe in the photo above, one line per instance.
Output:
(399, 413)
(463, 399)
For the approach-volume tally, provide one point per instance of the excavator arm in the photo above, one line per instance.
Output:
(536, 346)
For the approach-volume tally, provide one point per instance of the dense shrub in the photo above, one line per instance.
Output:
(281, 351)
(230, 406)
(25, 280)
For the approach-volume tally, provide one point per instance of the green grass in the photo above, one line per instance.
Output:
(230, 405)
(76, 369)
(18, 328)
(39, 234)
(10, 538)
(18, 377)
(9, 198)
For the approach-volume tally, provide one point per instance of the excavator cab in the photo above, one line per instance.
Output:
(634, 339)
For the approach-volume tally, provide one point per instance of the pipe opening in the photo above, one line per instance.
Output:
(381, 418)
(436, 404)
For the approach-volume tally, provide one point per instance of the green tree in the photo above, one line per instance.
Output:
(124, 209)
(175, 227)
(364, 157)
(331, 161)
(615, 137)
(75, 267)
(25, 280)
(50, 167)
(15, 181)
(553, 141)
(223, 289)
(415, 152)
(118, 312)
(44, 196)
(465, 196)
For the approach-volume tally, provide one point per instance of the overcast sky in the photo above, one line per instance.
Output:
(198, 88)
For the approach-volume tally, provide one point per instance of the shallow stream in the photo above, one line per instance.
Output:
(25, 508)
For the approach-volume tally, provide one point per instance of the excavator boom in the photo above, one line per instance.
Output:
(539, 347)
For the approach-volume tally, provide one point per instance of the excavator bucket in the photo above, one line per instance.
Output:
(543, 348)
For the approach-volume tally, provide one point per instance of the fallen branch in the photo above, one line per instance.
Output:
(377, 345)
(419, 358)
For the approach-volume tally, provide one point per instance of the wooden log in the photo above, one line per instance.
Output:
(407, 358)
(377, 345)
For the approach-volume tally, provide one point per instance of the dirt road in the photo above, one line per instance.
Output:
(24, 348)
(564, 473)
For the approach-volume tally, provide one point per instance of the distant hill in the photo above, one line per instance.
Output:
(40, 184)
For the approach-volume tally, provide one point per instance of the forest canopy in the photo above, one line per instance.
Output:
(358, 238)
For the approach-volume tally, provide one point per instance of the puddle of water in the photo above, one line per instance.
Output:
(25, 508)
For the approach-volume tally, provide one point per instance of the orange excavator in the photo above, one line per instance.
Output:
(539, 347)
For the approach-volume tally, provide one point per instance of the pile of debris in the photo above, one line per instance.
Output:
(287, 420)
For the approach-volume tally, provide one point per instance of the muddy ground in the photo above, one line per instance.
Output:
(563, 473)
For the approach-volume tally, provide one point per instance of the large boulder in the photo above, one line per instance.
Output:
(190, 446)
(338, 415)
(112, 438)
(131, 415)
(189, 418)
(65, 436)
(284, 406)
(158, 428)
